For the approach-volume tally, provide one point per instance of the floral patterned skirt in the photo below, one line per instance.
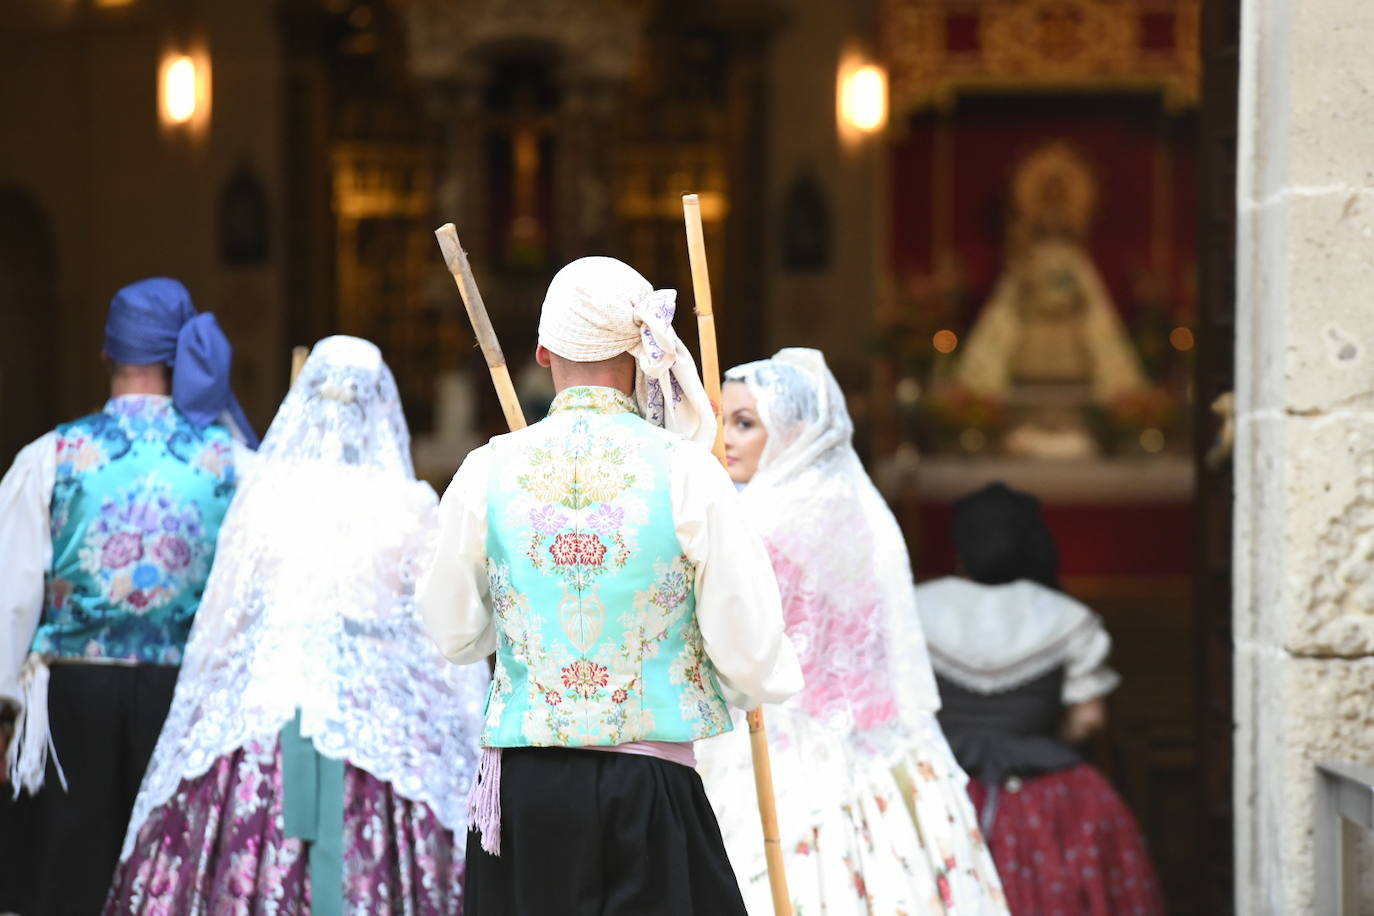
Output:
(900, 837)
(1066, 845)
(216, 847)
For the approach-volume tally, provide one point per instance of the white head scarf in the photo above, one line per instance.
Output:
(597, 308)
(310, 605)
(840, 558)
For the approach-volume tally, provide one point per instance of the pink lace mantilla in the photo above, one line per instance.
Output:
(840, 559)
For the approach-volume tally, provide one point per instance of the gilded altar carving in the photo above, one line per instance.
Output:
(937, 49)
(598, 39)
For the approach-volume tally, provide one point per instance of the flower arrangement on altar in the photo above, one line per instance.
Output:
(1024, 407)
(926, 307)
(1144, 421)
(955, 416)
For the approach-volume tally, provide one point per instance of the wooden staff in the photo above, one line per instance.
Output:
(298, 357)
(706, 316)
(710, 370)
(457, 260)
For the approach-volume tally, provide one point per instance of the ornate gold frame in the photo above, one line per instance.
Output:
(1038, 46)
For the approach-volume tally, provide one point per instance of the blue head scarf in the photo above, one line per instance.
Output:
(153, 321)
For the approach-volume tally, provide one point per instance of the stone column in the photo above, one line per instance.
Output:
(1304, 460)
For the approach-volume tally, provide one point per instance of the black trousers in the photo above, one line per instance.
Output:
(58, 849)
(588, 833)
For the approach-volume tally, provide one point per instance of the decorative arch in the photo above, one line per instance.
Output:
(28, 310)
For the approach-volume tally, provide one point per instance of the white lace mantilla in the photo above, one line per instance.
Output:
(310, 607)
(991, 638)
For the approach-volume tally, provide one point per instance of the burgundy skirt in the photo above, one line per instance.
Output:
(1066, 845)
(217, 847)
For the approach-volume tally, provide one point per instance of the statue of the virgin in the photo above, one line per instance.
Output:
(1050, 323)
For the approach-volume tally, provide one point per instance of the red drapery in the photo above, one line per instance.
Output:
(1143, 159)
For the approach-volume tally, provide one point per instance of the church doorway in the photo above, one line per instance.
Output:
(28, 304)
(1062, 319)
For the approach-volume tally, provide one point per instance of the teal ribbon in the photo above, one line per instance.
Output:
(312, 810)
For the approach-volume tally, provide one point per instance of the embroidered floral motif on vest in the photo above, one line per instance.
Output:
(592, 594)
(136, 509)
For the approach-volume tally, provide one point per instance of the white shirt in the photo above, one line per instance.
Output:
(737, 605)
(26, 545)
(990, 638)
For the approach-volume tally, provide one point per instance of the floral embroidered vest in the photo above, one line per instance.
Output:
(136, 508)
(598, 641)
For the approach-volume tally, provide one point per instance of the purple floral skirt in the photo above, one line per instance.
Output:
(216, 847)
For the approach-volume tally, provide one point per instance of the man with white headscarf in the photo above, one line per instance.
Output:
(602, 555)
(107, 528)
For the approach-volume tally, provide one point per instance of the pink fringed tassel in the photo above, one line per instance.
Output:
(484, 800)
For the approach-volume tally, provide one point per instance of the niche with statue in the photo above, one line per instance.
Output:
(1044, 366)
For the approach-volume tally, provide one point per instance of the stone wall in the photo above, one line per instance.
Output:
(126, 199)
(1304, 461)
(831, 308)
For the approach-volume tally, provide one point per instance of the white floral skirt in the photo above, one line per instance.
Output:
(876, 837)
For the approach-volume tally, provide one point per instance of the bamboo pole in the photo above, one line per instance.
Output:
(298, 357)
(457, 260)
(706, 316)
(710, 370)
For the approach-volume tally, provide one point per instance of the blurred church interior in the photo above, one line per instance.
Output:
(991, 215)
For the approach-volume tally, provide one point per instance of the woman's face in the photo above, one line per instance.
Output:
(745, 436)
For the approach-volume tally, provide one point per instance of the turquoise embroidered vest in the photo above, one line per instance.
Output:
(594, 600)
(136, 508)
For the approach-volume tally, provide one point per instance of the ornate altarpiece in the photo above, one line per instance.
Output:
(546, 130)
(938, 50)
(980, 92)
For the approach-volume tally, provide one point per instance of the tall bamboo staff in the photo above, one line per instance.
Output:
(298, 357)
(457, 260)
(710, 370)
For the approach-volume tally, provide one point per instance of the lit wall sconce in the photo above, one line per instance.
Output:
(179, 89)
(862, 97)
(184, 91)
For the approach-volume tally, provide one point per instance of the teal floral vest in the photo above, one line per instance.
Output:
(598, 641)
(136, 508)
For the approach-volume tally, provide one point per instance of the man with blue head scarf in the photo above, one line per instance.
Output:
(108, 527)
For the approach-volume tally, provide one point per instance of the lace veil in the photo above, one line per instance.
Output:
(310, 604)
(841, 561)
